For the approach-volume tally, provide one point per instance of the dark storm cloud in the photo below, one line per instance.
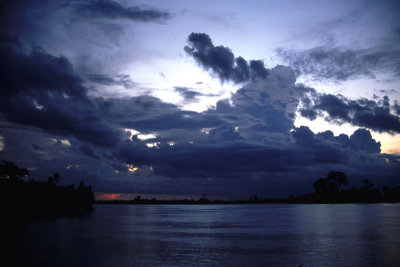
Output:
(61, 117)
(250, 137)
(187, 93)
(241, 140)
(222, 61)
(37, 147)
(10, 11)
(233, 160)
(88, 151)
(37, 72)
(343, 64)
(9, 40)
(320, 150)
(41, 90)
(360, 140)
(179, 120)
(104, 79)
(143, 107)
(190, 95)
(113, 10)
(147, 114)
(396, 107)
(224, 133)
(377, 116)
(257, 69)
(238, 157)
(261, 110)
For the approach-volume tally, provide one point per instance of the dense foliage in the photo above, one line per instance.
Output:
(24, 199)
(327, 190)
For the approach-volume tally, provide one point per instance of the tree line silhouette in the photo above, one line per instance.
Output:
(24, 199)
(327, 190)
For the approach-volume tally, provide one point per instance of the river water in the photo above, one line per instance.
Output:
(212, 235)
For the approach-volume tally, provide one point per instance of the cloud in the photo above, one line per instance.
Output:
(233, 160)
(88, 151)
(238, 159)
(37, 72)
(108, 9)
(41, 90)
(251, 138)
(149, 114)
(179, 120)
(224, 133)
(326, 62)
(243, 143)
(187, 93)
(104, 79)
(89, 33)
(37, 147)
(318, 148)
(360, 140)
(190, 95)
(377, 116)
(396, 107)
(222, 62)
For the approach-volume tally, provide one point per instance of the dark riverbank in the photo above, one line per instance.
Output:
(327, 191)
(353, 196)
(22, 199)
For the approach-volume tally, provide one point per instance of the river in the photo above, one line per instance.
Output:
(212, 235)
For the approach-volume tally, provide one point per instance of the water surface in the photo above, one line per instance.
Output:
(212, 235)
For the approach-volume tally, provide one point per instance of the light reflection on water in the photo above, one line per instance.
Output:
(213, 235)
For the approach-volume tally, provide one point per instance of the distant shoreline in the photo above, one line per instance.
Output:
(195, 202)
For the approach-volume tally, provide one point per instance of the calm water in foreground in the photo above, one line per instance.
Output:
(212, 235)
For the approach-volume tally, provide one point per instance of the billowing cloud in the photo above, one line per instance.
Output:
(337, 63)
(251, 139)
(88, 151)
(378, 116)
(360, 140)
(142, 144)
(222, 62)
(37, 72)
(146, 114)
(37, 148)
(104, 79)
(41, 90)
(189, 94)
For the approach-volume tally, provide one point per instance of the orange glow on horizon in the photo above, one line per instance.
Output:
(108, 196)
(130, 196)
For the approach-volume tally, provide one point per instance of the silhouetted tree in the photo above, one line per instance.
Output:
(56, 177)
(321, 185)
(391, 194)
(8, 170)
(332, 183)
(337, 179)
(21, 200)
(367, 185)
(203, 199)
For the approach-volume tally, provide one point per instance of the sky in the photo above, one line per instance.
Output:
(174, 99)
